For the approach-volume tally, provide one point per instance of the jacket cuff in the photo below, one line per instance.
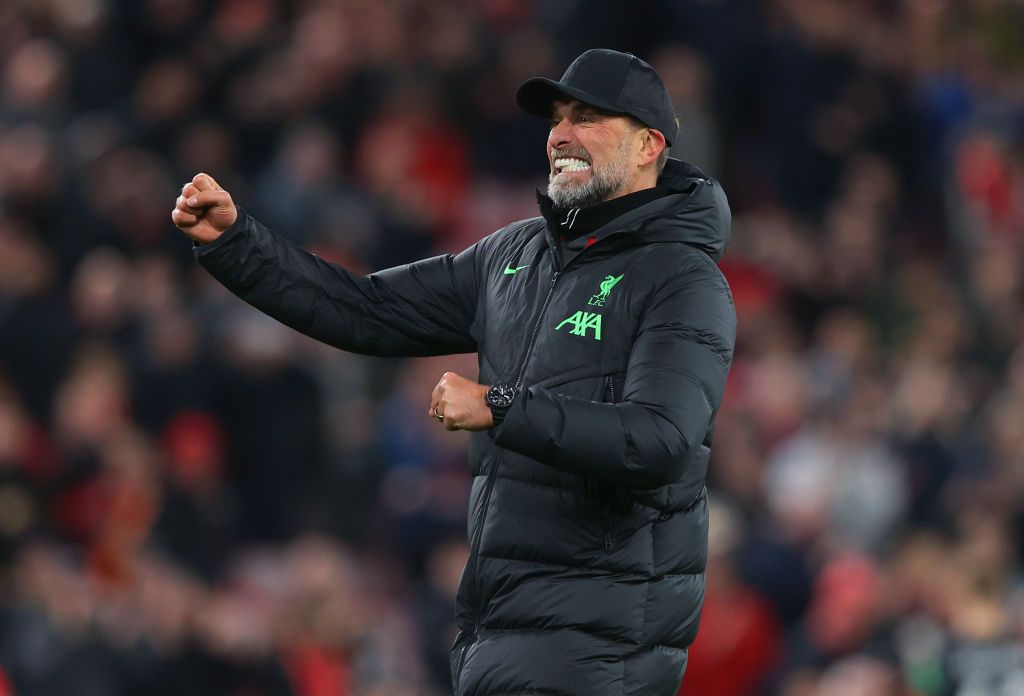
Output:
(201, 250)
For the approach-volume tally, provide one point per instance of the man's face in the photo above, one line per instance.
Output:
(591, 154)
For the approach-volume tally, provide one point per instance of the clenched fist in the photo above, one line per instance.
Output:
(459, 404)
(203, 210)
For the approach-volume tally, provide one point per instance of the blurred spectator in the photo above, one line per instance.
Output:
(740, 636)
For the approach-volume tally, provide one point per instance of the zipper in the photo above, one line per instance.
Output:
(474, 550)
(474, 547)
(610, 381)
(536, 330)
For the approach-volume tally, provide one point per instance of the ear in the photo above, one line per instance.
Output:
(652, 142)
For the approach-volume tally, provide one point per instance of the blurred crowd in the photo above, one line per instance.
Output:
(196, 500)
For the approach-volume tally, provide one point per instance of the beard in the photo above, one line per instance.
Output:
(602, 184)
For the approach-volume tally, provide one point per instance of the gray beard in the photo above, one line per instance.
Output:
(602, 185)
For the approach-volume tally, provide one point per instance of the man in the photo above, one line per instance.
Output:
(604, 331)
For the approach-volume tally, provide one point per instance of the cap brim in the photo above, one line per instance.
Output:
(538, 94)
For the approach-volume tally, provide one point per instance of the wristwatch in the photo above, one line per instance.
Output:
(499, 398)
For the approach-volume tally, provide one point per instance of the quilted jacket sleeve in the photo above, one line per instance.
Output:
(675, 378)
(423, 308)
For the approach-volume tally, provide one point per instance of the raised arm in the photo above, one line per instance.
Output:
(423, 308)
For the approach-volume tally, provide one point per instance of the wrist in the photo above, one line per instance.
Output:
(499, 398)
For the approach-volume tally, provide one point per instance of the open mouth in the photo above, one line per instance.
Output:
(570, 164)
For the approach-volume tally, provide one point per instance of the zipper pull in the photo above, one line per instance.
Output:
(608, 542)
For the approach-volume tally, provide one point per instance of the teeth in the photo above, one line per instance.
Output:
(571, 164)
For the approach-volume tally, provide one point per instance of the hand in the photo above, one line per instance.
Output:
(459, 403)
(204, 210)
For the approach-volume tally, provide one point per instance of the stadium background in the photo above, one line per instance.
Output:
(194, 500)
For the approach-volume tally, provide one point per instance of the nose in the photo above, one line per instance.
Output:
(560, 134)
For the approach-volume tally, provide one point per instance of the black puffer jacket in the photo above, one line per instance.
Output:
(588, 513)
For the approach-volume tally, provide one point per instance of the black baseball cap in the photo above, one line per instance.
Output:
(612, 81)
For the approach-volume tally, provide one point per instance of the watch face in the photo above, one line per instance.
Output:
(500, 395)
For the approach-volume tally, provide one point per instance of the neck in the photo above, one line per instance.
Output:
(644, 180)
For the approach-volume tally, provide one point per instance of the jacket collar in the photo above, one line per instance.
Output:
(693, 210)
(572, 223)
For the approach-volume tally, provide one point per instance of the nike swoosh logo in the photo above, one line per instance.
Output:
(512, 271)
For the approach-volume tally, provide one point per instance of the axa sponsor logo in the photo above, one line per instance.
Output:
(583, 321)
